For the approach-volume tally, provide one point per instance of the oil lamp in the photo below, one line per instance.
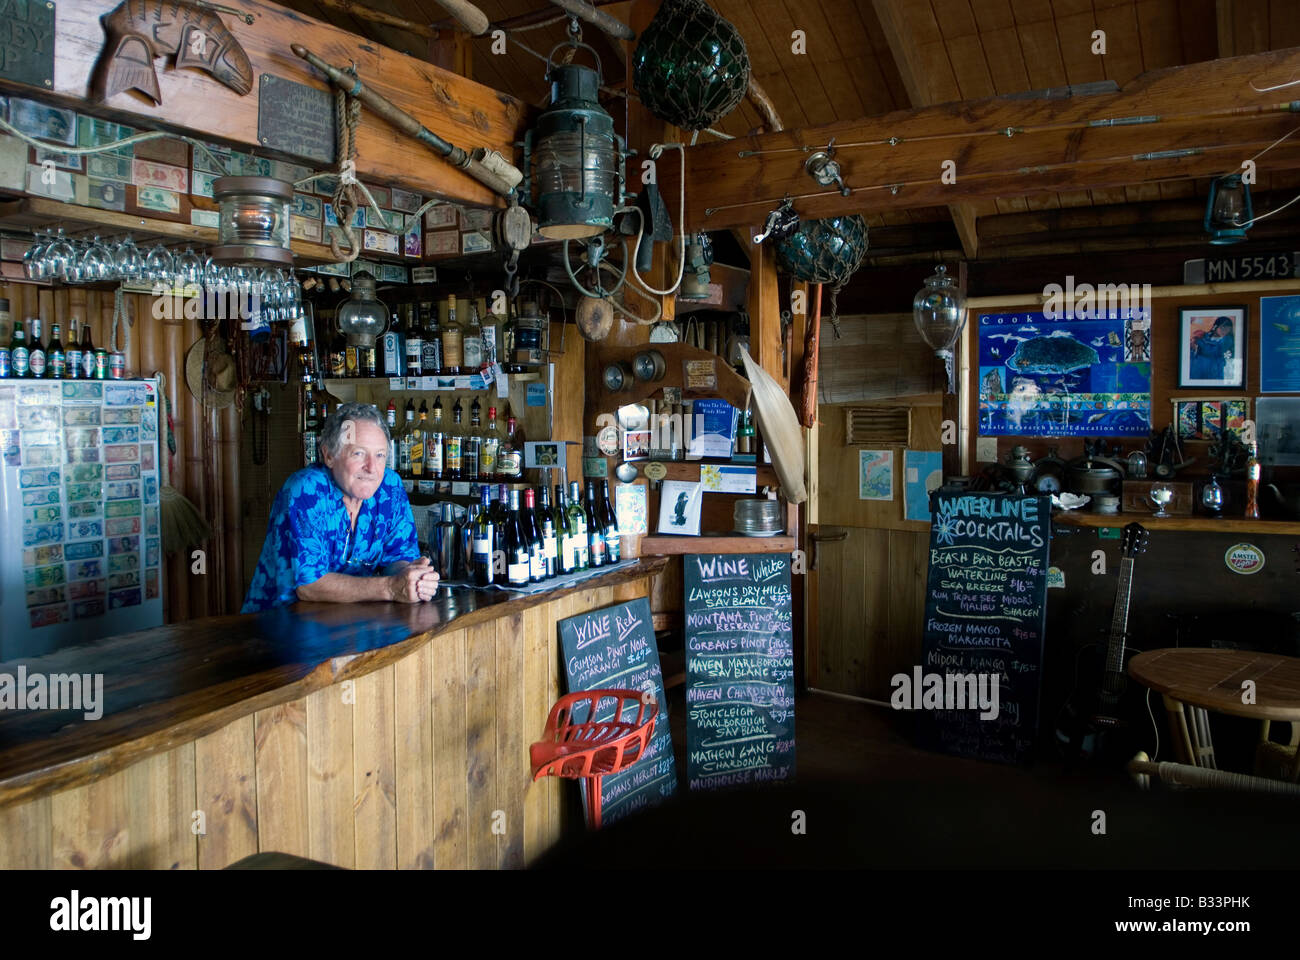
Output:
(362, 316)
(695, 281)
(939, 311)
(254, 221)
(1228, 211)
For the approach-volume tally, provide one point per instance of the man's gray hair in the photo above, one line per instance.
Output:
(331, 435)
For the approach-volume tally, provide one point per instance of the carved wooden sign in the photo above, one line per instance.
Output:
(140, 30)
(27, 42)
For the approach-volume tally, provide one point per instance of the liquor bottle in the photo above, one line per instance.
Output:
(391, 416)
(72, 355)
(517, 546)
(417, 444)
(366, 362)
(545, 517)
(351, 360)
(454, 456)
(444, 543)
(472, 347)
(491, 333)
(490, 447)
(1252, 483)
(87, 353)
(510, 455)
(414, 350)
(310, 428)
(613, 540)
(565, 533)
(578, 527)
(452, 339)
(482, 541)
(529, 522)
(338, 355)
(393, 345)
(431, 355)
(18, 352)
(596, 544)
(404, 441)
(36, 352)
(435, 445)
(55, 359)
(472, 443)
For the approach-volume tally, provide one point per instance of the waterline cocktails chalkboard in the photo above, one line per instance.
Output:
(739, 670)
(614, 648)
(984, 617)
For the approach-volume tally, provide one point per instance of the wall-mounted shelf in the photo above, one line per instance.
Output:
(1228, 525)
(665, 546)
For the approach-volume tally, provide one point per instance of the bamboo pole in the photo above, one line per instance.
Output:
(1156, 293)
(231, 508)
(152, 361)
(173, 366)
(196, 479)
(106, 323)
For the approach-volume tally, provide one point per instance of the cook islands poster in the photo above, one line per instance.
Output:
(1060, 377)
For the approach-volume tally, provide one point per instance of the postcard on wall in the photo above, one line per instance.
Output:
(875, 474)
(1279, 344)
(679, 507)
(922, 475)
(630, 507)
(723, 478)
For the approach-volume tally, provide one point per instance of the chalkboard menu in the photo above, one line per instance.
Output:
(977, 691)
(739, 670)
(614, 649)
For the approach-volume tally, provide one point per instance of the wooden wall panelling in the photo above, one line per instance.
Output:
(331, 832)
(282, 779)
(510, 770)
(450, 749)
(225, 765)
(197, 486)
(570, 394)
(176, 591)
(413, 759)
(537, 703)
(480, 740)
(374, 773)
(160, 811)
(232, 505)
(877, 356)
(27, 836)
(90, 825)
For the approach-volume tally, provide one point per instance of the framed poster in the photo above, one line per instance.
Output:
(1212, 347)
(1278, 422)
(1279, 344)
(875, 474)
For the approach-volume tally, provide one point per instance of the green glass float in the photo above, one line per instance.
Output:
(825, 251)
(690, 67)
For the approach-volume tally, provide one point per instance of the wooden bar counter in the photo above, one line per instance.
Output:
(365, 735)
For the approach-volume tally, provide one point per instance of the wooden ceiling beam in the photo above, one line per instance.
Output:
(927, 81)
(741, 189)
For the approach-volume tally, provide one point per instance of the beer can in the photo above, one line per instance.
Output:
(101, 363)
(116, 365)
(6, 370)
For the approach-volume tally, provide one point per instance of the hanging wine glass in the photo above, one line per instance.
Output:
(34, 258)
(158, 267)
(60, 257)
(96, 262)
(127, 259)
(189, 268)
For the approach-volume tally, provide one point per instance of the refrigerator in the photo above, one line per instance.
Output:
(81, 544)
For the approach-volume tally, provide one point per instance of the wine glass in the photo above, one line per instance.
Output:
(189, 268)
(60, 257)
(95, 263)
(127, 260)
(34, 258)
(158, 265)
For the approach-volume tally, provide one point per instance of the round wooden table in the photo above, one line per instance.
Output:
(1196, 679)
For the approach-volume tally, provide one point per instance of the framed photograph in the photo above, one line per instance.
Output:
(679, 507)
(1278, 422)
(1208, 418)
(543, 454)
(1212, 347)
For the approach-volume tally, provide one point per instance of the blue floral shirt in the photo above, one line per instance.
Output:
(309, 536)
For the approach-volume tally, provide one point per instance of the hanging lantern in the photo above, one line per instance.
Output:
(690, 67)
(253, 229)
(825, 251)
(363, 316)
(696, 279)
(574, 158)
(1228, 211)
(939, 311)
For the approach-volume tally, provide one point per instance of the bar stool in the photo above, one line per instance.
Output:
(592, 749)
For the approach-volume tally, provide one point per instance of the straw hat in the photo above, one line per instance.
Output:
(220, 374)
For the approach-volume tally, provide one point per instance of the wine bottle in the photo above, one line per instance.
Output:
(482, 542)
(310, 428)
(435, 442)
(531, 529)
(54, 355)
(36, 352)
(578, 527)
(544, 517)
(613, 540)
(595, 529)
(516, 545)
(564, 530)
(472, 348)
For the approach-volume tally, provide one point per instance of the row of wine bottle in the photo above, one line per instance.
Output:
(522, 536)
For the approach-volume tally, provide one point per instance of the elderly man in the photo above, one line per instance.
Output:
(342, 531)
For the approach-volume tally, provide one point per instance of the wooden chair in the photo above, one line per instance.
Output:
(1184, 775)
(1279, 761)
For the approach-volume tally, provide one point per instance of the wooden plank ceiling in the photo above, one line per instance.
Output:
(869, 57)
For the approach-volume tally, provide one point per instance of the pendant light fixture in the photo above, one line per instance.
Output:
(939, 311)
(1228, 210)
(362, 316)
(253, 229)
